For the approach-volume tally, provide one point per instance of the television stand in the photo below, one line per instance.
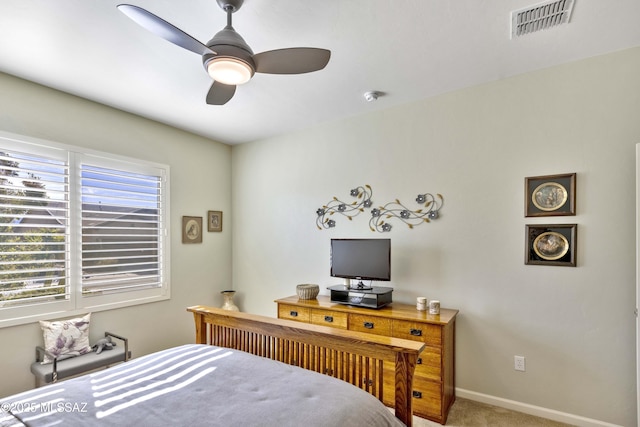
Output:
(374, 297)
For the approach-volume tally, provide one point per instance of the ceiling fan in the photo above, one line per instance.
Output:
(227, 57)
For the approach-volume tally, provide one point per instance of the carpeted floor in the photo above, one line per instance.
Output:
(469, 413)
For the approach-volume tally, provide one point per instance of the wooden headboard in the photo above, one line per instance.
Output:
(355, 357)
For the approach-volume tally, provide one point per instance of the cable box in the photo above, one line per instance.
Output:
(374, 297)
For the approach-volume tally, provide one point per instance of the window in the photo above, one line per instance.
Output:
(79, 230)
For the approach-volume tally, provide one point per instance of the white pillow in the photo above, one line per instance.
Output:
(66, 338)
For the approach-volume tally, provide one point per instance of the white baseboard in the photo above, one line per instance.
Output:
(538, 411)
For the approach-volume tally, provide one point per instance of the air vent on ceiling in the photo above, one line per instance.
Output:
(540, 17)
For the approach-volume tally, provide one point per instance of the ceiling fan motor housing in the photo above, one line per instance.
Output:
(228, 43)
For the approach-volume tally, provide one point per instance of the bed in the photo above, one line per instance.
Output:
(243, 370)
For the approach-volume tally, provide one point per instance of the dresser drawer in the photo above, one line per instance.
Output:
(417, 331)
(292, 312)
(331, 318)
(429, 364)
(427, 398)
(370, 324)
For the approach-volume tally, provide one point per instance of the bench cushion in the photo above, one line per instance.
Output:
(79, 364)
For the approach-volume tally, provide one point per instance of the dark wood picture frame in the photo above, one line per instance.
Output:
(550, 195)
(551, 244)
(191, 229)
(214, 221)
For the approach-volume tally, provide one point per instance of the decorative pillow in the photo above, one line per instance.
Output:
(66, 338)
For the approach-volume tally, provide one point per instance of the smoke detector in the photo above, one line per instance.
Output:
(540, 17)
(371, 96)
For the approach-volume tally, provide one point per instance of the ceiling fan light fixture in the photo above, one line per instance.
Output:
(229, 71)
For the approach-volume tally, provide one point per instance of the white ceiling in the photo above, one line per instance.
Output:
(407, 49)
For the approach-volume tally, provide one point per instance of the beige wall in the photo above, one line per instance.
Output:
(575, 326)
(200, 181)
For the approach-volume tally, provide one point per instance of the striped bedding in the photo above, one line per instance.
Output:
(197, 385)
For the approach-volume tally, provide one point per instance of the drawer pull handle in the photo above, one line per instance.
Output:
(293, 313)
(419, 361)
(417, 394)
(368, 325)
(328, 319)
(416, 332)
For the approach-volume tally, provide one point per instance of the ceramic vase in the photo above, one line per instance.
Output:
(228, 301)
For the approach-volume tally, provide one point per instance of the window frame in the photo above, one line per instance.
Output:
(77, 303)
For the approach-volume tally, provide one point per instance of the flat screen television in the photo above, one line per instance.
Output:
(361, 259)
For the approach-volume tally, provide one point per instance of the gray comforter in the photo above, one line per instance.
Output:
(197, 385)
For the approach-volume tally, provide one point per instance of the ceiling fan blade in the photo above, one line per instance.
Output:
(162, 28)
(220, 93)
(295, 60)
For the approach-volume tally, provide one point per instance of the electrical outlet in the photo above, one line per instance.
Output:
(519, 363)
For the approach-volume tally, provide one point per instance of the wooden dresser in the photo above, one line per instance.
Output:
(434, 380)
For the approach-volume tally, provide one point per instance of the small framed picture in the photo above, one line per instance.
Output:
(191, 229)
(551, 195)
(551, 244)
(214, 221)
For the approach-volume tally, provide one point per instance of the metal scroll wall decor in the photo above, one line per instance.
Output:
(431, 210)
(336, 206)
(380, 216)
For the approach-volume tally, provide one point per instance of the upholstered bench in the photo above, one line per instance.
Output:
(72, 366)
